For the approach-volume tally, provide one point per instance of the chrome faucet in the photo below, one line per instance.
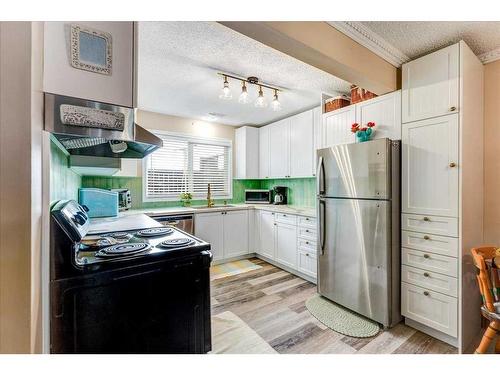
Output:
(210, 201)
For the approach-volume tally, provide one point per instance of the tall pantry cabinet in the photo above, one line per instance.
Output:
(442, 193)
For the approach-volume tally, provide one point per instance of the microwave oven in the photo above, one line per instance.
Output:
(258, 196)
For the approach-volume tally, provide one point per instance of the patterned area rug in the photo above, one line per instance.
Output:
(232, 268)
(231, 335)
(340, 319)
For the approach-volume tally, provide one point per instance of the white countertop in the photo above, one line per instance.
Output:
(120, 223)
(292, 210)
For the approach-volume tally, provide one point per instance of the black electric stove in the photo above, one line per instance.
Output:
(141, 291)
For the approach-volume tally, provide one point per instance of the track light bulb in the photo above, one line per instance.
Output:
(261, 101)
(226, 91)
(275, 104)
(244, 98)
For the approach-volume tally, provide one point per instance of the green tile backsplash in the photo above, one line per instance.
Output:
(301, 191)
(64, 183)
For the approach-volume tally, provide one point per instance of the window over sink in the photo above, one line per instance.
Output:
(188, 164)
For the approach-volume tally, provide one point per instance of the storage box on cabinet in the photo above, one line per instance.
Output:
(430, 280)
(428, 261)
(435, 310)
(431, 243)
(440, 225)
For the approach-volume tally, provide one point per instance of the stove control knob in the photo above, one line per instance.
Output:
(79, 218)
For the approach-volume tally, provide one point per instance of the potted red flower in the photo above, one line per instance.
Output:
(363, 133)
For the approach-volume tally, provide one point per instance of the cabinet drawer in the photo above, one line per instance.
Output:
(440, 225)
(430, 280)
(307, 244)
(307, 262)
(285, 218)
(309, 222)
(430, 243)
(307, 233)
(430, 262)
(431, 308)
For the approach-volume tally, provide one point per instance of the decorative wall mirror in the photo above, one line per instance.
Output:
(91, 50)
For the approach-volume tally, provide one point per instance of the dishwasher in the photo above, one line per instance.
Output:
(184, 222)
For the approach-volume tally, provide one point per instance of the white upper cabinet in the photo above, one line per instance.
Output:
(279, 138)
(385, 112)
(301, 144)
(431, 85)
(264, 152)
(235, 233)
(247, 152)
(318, 130)
(90, 60)
(430, 167)
(337, 126)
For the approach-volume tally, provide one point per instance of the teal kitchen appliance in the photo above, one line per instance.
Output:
(99, 202)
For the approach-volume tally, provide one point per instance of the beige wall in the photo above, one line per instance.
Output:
(492, 152)
(158, 121)
(21, 124)
(321, 45)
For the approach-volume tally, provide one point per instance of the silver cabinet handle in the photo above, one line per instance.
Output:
(426, 293)
(427, 237)
(426, 274)
(427, 256)
(322, 208)
(426, 218)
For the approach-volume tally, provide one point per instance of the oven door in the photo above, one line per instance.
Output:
(155, 308)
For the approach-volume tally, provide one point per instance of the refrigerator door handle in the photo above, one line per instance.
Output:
(321, 176)
(322, 208)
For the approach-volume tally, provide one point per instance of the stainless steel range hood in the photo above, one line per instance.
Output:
(89, 128)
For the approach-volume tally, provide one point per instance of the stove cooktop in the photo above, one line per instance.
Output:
(139, 244)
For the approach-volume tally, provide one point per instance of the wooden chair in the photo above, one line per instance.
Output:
(490, 292)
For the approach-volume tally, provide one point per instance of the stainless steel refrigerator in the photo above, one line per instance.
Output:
(358, 193)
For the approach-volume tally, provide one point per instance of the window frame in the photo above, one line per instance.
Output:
(195, 139)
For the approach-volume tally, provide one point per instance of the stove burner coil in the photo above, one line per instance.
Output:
(176, 242)
(122, 250)
(155, 232)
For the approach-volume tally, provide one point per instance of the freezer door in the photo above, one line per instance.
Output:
(356, 170)
(354, 255)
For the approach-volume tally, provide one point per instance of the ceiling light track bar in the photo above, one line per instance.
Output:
(251, 80)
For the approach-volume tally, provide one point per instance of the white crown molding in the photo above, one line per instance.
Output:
(490, 56)
(371, 40)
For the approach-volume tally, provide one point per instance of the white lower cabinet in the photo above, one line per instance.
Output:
(235, 233)
(289, 240)
(227, 232)
(267, 234)
(433, 309)
(286, 244)
(209, 228)
(307, 262)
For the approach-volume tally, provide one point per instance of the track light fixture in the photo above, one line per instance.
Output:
(244, 97)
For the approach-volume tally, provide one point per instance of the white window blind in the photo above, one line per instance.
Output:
(188, 164)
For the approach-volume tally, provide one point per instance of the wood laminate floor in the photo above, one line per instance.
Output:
(272, 303)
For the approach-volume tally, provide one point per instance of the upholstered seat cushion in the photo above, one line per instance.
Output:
(493, 315)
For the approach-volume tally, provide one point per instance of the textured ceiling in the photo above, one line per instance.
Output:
(415, 39)
(178, 62)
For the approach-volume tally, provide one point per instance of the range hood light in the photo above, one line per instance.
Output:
(118, 146)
